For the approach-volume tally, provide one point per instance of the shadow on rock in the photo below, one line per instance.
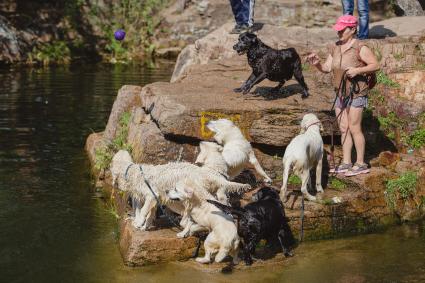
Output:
(379, 31)
(270, 93)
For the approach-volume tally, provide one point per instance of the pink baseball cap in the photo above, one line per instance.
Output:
(345, 21)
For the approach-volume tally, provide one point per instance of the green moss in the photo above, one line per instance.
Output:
(305, 67)
(103, 157)
(336, 184)
(420, 66)
(404, 187)
(361, 225)
(383, 79)
(327, 201)
(398, 56)
(294, 180)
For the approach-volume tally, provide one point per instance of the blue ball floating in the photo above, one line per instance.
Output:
(119, 34)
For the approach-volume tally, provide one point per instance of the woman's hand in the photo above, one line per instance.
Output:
(313, 59)
(352, 72)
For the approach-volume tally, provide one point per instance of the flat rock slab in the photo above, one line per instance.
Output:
(148, 247)
(184, 107)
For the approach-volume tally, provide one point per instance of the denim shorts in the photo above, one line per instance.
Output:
(358, 102)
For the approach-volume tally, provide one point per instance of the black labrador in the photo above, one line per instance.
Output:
(262, 219)
(268, 63)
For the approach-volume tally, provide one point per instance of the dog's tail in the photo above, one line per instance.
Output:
(227, 209)
(235, 187)
(286, 168)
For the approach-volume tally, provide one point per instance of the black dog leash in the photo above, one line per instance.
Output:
(302, 218)
(345, 99)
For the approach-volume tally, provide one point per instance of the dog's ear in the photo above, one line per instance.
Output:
(252, 37)
(219, 148)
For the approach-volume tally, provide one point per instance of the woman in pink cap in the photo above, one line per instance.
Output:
(350, 62)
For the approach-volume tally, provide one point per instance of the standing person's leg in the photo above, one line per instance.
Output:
(237, 9)
(248, 12)
(363, 8)
(355, 128)
(346, 141)
(347, 7)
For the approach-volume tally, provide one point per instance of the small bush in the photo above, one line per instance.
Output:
(104, 154)
(382, 78)
(404, 187)
(103, 157)
(55, 52)
(417, 139)
(390, 122)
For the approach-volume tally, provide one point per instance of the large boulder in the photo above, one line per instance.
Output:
(410, 7)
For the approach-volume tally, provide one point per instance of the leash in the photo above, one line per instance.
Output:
(153, 193)
(302, 218)
(157, 199)
(344, 100)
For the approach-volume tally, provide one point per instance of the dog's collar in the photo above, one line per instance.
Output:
(224, 175)
(312, 124)
(126, 171)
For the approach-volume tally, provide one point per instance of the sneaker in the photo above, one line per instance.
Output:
(357, 169)
(240, 29)
(342, 168)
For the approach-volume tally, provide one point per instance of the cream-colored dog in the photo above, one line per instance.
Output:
(237, 151)
(304, 153)
(223, 238)
(131, 177)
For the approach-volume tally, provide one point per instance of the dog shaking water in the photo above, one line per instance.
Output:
(262, 219)
(268, 63)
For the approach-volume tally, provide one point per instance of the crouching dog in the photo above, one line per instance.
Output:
(223, 238)
(264, 218)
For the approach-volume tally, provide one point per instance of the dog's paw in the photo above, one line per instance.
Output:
(245, 91)
(239, 89)
(310, 197)
(288, 254)
(304, 95)
(182, 235)
(319, 189)
(268, 181)
(203, 260)
(138, 223)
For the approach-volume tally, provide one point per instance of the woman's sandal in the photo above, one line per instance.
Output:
(357, 169)
(342, 168)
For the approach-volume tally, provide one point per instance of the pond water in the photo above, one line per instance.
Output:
(53, 228)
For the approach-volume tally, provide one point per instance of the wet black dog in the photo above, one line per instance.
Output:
(268, 63)
(262, 219)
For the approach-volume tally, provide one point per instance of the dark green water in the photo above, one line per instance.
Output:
(54, 229)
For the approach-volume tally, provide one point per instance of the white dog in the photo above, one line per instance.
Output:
(131, 177)
(303, 153)
(223, 238)
(237, 150)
